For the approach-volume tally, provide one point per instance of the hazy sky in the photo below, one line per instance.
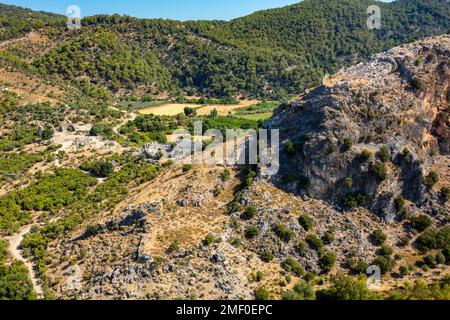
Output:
(170, 9)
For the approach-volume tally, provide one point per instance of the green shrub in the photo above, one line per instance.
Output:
(386, 251)
(249, 178)
(94, 229)
(403, 214)
(445, 194)
(431, 179)
(15, 283)
(217, 191)
(209, 240)
(404, 241)
(347, 144)
(315, 243)
(420, 223)
(416, 83)
(301, 246)
(406, 152)
(47, 133)
(327, 262)
(225, 175)
(290, 147)
(379, 169)
(353, 200)
(266, 256)
(385, 263)
(440, 258)
(249, 213)
(437, 290)
(259, 276)
(434, 239)
(301, 291)
(293, 266)
(430, 260)
(328, 237)
(282, 232)
(98, 168)
(346, 288)
(384, 154)
(4, 253)
(348, 182)
(306, 222)
(174, 246)
(262, 294)
(252, 232)
(399, 203)
(366, 155)
(214, 114)
(360, 267)
(187, 167)
(404, 270)
(190, 112)
(378, 237)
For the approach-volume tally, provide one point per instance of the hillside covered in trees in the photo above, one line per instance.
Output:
(273, 53)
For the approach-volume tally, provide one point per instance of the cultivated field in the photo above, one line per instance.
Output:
(172, 109)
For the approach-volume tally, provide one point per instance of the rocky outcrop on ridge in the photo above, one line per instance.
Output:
(398, 101)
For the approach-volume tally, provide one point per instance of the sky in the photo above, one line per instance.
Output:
(168, 9)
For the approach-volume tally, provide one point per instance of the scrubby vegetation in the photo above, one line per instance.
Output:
(420, 223)
(14, 281)
(346, 288)
(378, 237)
(354, 199)
(72, 193)
(437, 290)
(249, 213)
(379, 170)
(301, 291)
(327, 261)
(293, 266)
(315, 243)
(64, 188)
(306, 222)
(431, 179)
(435, 239)
(282, 232)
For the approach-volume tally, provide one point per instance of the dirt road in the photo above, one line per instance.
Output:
(17, 254)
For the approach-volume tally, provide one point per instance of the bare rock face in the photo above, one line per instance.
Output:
(398, 100)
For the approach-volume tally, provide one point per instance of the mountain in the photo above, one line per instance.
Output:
(373, 132)
(273, 53)
(91, 207)
(17, 21)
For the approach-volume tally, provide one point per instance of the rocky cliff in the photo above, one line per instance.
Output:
(372, 132)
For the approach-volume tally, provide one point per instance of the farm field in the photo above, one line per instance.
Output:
(172, 109)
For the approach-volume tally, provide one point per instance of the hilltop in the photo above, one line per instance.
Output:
(273, 54)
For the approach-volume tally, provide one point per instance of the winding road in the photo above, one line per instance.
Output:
(17, 254)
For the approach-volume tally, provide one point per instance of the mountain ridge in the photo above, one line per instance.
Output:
(275, 53)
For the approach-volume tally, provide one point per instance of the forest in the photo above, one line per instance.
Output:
(274, 53)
